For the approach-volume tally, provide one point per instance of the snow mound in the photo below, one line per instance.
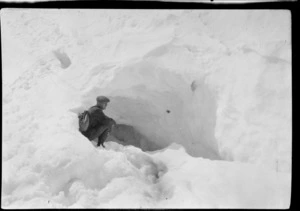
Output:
(124, 176)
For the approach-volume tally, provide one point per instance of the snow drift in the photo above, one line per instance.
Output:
(207, 109)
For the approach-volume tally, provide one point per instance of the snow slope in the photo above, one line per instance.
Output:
(175, 76)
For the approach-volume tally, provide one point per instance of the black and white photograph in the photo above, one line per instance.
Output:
(146, 108)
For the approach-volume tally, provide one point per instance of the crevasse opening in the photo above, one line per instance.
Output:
(156, 107)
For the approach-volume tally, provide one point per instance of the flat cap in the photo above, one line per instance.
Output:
(102, 99)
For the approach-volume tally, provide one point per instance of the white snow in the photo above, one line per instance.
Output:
(204, 97)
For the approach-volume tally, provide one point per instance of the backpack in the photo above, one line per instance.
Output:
(84, 121)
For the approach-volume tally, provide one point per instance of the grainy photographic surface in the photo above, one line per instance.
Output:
(199, 108)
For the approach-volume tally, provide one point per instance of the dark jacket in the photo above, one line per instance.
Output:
(99, 123)
(98, 118)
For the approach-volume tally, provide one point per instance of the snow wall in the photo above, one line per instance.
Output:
(218, 85)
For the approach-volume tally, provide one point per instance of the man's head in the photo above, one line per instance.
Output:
(102, 101)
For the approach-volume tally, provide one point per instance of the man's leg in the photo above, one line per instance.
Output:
(102, 138)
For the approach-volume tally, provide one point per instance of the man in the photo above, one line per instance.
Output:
(100, 124)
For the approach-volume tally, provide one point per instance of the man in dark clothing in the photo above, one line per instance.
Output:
(100, 124)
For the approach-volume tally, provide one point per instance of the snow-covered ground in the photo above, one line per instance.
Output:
(206, 95)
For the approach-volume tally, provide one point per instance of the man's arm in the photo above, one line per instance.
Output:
(100, 117)
(97, 116)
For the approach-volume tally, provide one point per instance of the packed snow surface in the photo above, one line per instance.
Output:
(202, 100)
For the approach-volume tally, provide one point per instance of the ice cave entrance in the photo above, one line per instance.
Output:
(155, 107)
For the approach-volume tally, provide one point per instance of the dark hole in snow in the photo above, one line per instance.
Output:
(64, 59)
(129, 135)
(168, 111)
